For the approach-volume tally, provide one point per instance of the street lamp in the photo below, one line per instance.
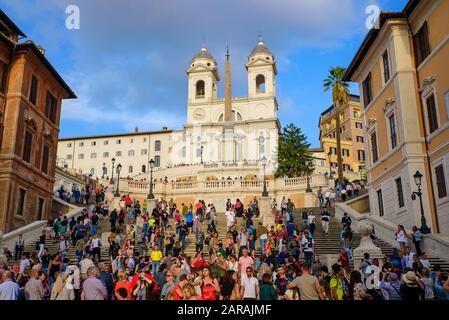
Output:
(113, 163)
(264, 163)
(151, 195)
(308, 163)
(418, 181)
(104, 170)
(117, 191)
(202, 148)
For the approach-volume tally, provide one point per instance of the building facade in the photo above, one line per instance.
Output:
(403, 75)
(31, 93)
(243, 132)
(352, 139)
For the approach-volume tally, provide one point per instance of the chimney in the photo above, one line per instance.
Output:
(136, 130)
(164, 129)
(41, 49)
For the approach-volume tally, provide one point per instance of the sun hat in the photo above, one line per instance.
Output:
(409, 277)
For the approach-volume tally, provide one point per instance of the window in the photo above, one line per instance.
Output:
(144, 168)
(432, 113)
(131, 153)
(261, 145)
(144, 152)
(33, 90)
(380, 203)
(361, 155)
(81, 144)
(358, 125)
(157, 161)
(40, 209)
(446, 102)
(400, 192)
(45, 158)
(69, 157)
(105, 154)
(333, 150)
(157, 146)
(393, 133)
(81, 156)
(118, 141)
(27, 145)
(3, 76)
(200, 89)
(386, 63)
(367, 90)
(118, 153)
(51, 107)
(198, 151)
(20, 203)
(356, 114)
(69, 145)
(346, 152)
(360, 139)
(105, 142)
(260, 83)
(93, 143)
(441, 181)
(346, 167)
(144, 139)
(421, 43)
(131, 141)
(92, 171)
(374, 153)
(130, 169)
(342, 129)
(93, 155)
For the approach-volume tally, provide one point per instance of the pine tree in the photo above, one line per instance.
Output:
(294, 160)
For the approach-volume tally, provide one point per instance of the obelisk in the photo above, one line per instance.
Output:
(228, 142)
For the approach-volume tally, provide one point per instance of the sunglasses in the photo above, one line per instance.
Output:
(248, 271)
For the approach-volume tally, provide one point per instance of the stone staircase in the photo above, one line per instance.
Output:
(330, 244)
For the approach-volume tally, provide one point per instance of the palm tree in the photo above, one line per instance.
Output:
(340, 97)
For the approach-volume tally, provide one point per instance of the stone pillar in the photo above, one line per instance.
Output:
(366, 246)
(3, 258)
(266, 215)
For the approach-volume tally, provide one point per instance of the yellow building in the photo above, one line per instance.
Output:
(403, 73)
(352, 140)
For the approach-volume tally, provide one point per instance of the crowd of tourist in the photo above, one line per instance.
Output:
(147, 256)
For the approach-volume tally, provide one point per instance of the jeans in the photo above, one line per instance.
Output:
(155, 267)
(93, 229)
(263, 242)
(18, 252)
(182, 238)
(312, 228)
(79, 255)
(321, 200)
(328, 203)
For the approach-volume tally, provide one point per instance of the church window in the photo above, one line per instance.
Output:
(157, 146)
(260, 83)
(157, 161)
(130, 169)
(261, 145)
(144, 168)
(200, 89)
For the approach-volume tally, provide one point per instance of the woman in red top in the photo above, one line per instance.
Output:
(209, 285)
(123, 282)
(178, 293)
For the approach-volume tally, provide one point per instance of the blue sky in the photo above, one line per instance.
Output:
(127, 62)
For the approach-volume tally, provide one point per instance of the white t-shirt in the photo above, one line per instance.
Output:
(249, 284)
(401, 237)
(230, 216)
(327, 194)
(311, 218)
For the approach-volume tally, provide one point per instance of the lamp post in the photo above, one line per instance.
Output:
(418, 181)
(264, 164)
(151, 195)
(202, 148)
(117, 191)
(307, 163)
(104, 170)
(113, 163)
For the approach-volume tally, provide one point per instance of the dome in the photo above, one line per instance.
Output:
(260, 48)
(203, 54)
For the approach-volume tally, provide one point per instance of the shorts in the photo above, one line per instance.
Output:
(189, 224)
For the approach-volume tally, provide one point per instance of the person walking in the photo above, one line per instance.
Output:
(93, 288)
(308, 285)
(250, 286)
(325, 218)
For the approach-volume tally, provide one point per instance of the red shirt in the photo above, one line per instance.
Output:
(149, 276)
(176, 296)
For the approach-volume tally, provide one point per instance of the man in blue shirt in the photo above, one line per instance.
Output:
(9, 290)
(290, 229)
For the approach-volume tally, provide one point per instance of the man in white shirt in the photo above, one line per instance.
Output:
(24, 263)
(283, 206)
(250, 286)
(96, 251)
(312, 221)
(63, 247)
(230, 218)
(85, 264)
(407, 260)
(327, 196)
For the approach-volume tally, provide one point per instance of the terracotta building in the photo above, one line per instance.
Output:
(403, 72)
(352, 140)
(31, 92)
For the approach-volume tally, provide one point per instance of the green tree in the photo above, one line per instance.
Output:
(294, 160)
(340, 97)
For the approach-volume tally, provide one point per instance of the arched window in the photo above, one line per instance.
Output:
(144, 168)
(130, 169)
(200, 89)
(157, 161)
(92, 171)
(157, 146)
(260, 83)
(236, 116)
